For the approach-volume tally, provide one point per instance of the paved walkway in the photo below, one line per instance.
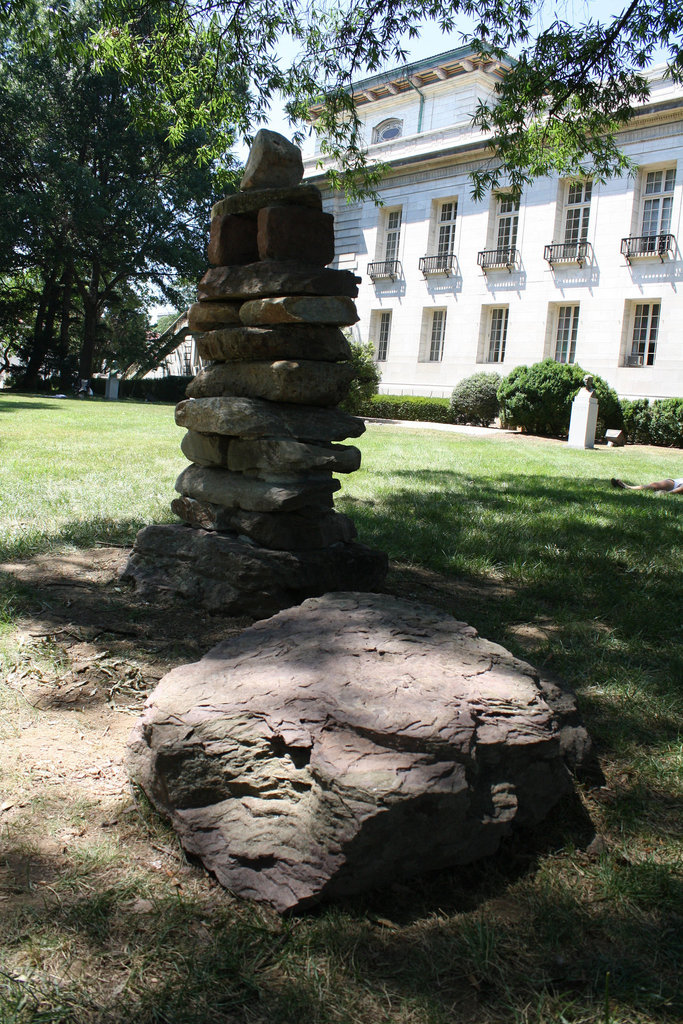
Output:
(453, 428)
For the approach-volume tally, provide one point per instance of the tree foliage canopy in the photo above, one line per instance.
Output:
(96, 204)
(557, 109)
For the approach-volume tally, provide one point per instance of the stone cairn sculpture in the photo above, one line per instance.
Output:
(259, 528)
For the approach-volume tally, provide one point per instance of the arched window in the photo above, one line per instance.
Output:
(387, 130)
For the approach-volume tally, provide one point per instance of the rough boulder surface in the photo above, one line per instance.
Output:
(349, 741)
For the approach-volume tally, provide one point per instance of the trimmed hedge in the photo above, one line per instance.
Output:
(659, 423)
(154, 389)
(408, 407)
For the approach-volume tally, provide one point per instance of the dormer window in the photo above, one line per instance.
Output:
(387, 130)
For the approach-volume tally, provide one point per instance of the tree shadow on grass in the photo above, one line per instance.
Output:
(600, 568)
(577, 578)
(32, 540)
(26, 403)
(594, 574)
(155, 943)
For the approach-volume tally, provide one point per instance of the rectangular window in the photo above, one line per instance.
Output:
(508, 219)
(186, 359)
(577, 211)
(565, 335)
(658, 198)
(645, 328)
(383, 336)
(445, 243)
(393, 235)
(437, 334)
(498, 332)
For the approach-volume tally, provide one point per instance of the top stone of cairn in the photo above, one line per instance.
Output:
(274, 162)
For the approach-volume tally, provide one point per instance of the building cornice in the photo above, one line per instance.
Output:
(431, 70)
(663, 112)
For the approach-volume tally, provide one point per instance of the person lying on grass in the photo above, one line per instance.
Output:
(670, 485)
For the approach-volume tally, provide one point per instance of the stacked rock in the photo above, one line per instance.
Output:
(261, 531)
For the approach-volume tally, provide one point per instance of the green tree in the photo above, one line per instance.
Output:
(93, 202)
(557, 109)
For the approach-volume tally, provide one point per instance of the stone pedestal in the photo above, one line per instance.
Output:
(260, 531)
(584, 418)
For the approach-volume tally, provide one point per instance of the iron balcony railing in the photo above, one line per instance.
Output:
(444, 263)
(568, 252)
(498, 259)
(385, 269)
(640, 246)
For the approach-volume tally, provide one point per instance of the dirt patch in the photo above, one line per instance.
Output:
(82, 659)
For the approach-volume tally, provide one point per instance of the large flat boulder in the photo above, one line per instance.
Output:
(259, 280)
(288, 233)
(335, 310)
(299, 381)
(306, 529)
(280, 341)
(350, 741)
(253, 417)
(270, 456)
(252, 201)
(233, 576)
(237, 490)
(207, 316)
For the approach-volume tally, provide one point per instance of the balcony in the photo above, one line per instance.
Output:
(568, 252)
(647, 246)
(385, 270)
(498, 259)
(445, 263)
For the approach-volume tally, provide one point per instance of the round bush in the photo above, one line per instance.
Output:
(539, 398)
(475, 399)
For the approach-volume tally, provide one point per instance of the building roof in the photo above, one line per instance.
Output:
(442, 66)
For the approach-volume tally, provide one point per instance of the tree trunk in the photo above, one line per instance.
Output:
(65, 366)
(90, 320)
(42, 332)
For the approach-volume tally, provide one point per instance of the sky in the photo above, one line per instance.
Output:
(432, 40)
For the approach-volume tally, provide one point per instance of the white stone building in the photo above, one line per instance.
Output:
(577, 271)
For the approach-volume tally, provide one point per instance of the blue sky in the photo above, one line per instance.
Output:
(432, 40)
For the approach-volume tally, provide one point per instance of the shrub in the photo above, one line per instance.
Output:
(659, 423)
(153, 389)
(667, 422)
(366, 378)
(409, 407)
(637, 420)
(539, 398)
(475, 399)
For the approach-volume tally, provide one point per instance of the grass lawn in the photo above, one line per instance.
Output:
(522, 538)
